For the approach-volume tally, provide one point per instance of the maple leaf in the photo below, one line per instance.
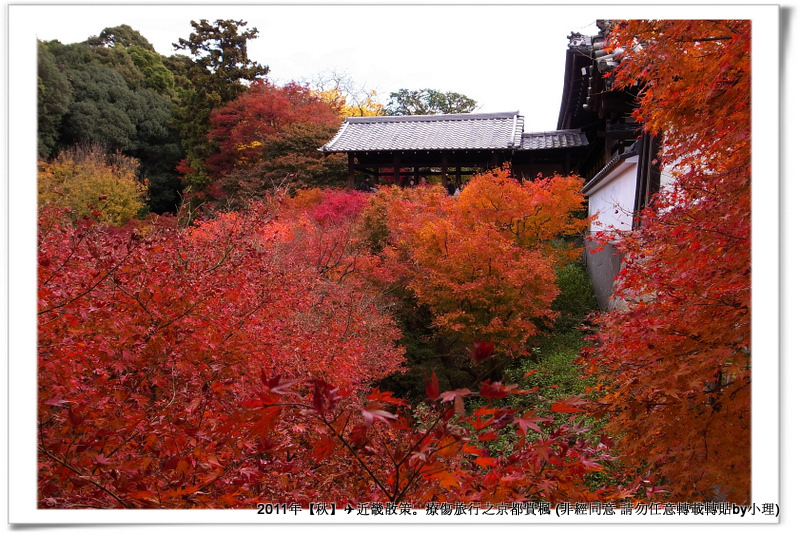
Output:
(56, 400)
(481, 350)
(445, 478)
(568, 404)
(486, 462)
(528, 422)
(266, 421)
(323, 448)
(449, 396)
(529, 373)
(387, 397)
(497, 390)
(358, 436)
(281, 387)
(323, 396)
(432, 386)
(457, 397)
(591, 464)
(374, 412)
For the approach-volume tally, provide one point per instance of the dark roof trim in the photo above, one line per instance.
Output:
(610, 166)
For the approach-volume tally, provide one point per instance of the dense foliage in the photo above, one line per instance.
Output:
(282, 340)
(270, 136)
(483, 263)
(153, 337)
(85, 180)
(233, 361)
(675, 363)
(115, 92)
(216, 71)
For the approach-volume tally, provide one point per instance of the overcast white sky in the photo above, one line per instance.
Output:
(507, 58)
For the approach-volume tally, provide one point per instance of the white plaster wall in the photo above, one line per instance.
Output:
(612, 200)
(667, 176)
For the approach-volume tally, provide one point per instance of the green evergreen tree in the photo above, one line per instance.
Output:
(217, 72)
(101, 92)
(54, 99)
(428, 102)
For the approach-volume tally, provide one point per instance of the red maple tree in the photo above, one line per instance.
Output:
(151, 337)
(675, 361)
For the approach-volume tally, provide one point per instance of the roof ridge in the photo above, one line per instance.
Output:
(568, 130)
(434, 118)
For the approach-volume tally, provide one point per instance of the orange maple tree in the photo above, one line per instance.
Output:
(485, 262)
(675, 361)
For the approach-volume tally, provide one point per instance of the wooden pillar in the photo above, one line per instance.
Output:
(444, 169)
(351, 172)
(396, 165)
(458, 176)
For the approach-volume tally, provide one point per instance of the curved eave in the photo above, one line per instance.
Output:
(598, 178)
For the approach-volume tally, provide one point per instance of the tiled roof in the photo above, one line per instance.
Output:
(466, 131)
(557, 139)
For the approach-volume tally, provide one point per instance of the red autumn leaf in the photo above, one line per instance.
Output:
(488, 436)
(432, 386)
(563, 407)
(481, 350)
(486, 462)
(387, 397)
(323, 397)
(56, 400)
(373, 412)
(497, 390)
(323, 448)
(449, 396)
(528, 422)
(358, 436)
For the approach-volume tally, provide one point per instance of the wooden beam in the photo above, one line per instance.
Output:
(351, 175)
(396, 166)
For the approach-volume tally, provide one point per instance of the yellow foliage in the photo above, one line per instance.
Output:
(249, 146)
(90, 182)
(362, 105)
(305, 198)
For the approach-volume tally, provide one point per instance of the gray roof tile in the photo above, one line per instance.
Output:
(557, 139)
(467, 131)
